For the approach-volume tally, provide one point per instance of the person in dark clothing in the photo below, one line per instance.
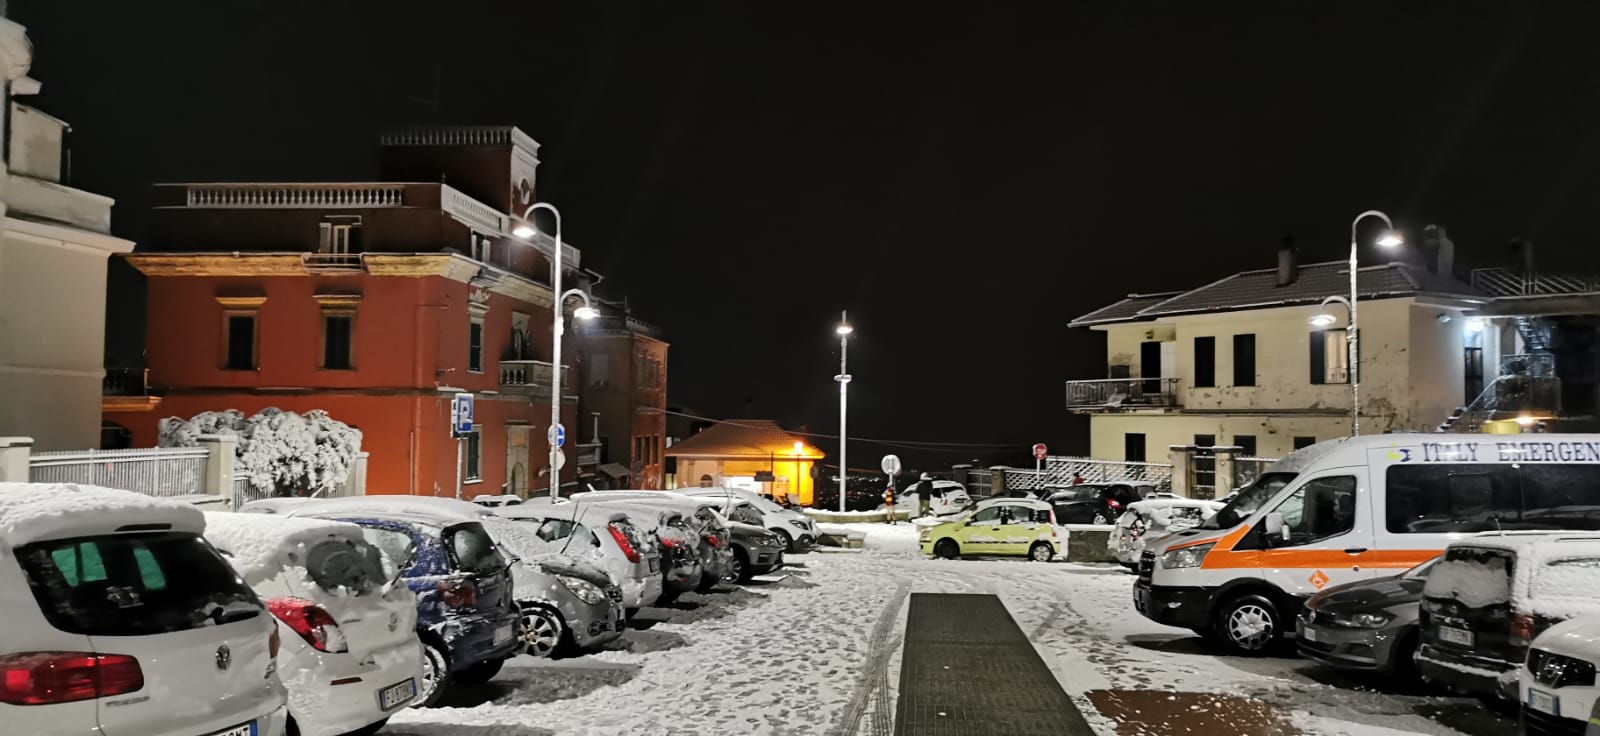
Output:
(924, 494)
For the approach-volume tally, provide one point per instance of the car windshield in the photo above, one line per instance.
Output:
(134, 584)
(1250, 499)
(472, 549)
(1420, 572)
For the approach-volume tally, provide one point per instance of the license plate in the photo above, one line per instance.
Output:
(502, 634)
(395, 696)
(1454, 635)
(655, 564)
(248, 729)
(1308, 633)
(1544, 702)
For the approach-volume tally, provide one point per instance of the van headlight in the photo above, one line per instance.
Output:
(586, 591)
(1186, 557)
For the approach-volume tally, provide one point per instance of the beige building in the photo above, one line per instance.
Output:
(1243, 362)
(54, 242)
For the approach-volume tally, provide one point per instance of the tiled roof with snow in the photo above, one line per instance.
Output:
(1260, 290)
(755, 438)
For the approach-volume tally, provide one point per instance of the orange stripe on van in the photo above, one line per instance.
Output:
(1224, 557)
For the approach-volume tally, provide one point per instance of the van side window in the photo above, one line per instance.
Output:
(1322, 508)
(1476, 498)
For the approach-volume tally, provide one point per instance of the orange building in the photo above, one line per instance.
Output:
(374, 301)
(747, 453)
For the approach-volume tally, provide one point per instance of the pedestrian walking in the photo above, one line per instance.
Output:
(924, 494)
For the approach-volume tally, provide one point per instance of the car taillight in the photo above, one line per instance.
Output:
(311, 622)
(1112, 502)
(674, 543)
(459, 595)
(1522, 630)
(714, 540)
(42, 678)
(623, 543)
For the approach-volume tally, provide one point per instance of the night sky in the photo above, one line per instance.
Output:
(964, 179)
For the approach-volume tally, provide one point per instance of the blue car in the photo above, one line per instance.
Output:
(466, 616)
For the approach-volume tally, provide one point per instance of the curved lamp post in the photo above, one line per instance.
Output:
(1389, 239)
(526, 230)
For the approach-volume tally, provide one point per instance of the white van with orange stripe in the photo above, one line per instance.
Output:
(1356, 508)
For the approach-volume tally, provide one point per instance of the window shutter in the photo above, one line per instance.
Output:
(324, 238)
(1319, 357)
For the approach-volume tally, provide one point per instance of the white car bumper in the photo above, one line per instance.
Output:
(1557, 707)
(332, 694)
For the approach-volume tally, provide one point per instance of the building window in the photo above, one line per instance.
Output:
(1474, 373)
(1244, 360)
(472, 456)
(1133, 447)
(600, 369)
(340, 235)
(1330, 356)
(1246, 444)
(1205, 362)
(475, 345)
(338, 339)
(241, 341)
(1303, 442)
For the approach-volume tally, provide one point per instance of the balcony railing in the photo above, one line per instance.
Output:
(318, 196)
(1113, 394)
(1506, 282)
(534, 373)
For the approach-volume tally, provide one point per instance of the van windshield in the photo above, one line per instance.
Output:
(1250, 499)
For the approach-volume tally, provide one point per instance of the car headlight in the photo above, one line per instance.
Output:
(1186, 557)
(926, 535)
(1363, 620)
(586, 591)
(798, 524)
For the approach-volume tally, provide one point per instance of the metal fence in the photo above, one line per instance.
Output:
(980, 482)
(1060, 471)
(158, 472)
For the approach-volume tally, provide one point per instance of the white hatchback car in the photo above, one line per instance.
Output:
(1557, 684)
(350, 656)
(121, 619)
(798, 531)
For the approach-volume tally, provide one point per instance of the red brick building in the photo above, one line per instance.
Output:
(376, 301)
(623, 374)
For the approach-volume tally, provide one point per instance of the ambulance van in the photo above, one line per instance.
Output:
(1358, 508)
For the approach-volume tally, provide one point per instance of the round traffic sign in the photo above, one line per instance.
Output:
(891, 464)
(1040, 451)
(557, 436)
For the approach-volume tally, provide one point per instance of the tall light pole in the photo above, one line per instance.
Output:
(526, 231)
(843, 331)
(1388, 239)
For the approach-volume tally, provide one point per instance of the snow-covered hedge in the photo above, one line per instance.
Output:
(284, 453)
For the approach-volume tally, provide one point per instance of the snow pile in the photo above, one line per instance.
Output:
(260, 546)
(1475, 583)
(283, 452)
(31, 512)
(1565, 578)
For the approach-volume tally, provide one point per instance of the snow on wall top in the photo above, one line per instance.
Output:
(259, 545)
(31, 512)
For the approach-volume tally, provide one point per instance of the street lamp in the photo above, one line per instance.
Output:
(843, 331)
(1389, 239)
(525, 230)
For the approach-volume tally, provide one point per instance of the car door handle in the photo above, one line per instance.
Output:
(1354, 550)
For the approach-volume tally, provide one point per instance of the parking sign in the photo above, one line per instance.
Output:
(461, 414)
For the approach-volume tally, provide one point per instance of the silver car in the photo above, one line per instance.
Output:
(1367, 625)
(798, 531)
(566, 605)
(608, 537)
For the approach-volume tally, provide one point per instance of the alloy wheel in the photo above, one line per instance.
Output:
(541, 632)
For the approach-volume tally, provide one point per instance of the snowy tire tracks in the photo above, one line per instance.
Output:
(874, 682)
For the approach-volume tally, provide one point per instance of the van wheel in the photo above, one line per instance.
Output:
(1040, 552)
(1249, 624)
(480, 673)
(435, 675)
(947, 548)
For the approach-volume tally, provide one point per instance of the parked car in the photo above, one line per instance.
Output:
(1095, 503)
(947, 498)
(1366, 625)
(1491, 595)
(349, 655)
(618, 547)
(716, 554)
(1153, 518)
(1557, 686)
(508, 499)
(566, 605)
(756, 551)
(1001, 526)
(121, 619)
(798, 531)
(677, 541)
(466, 614)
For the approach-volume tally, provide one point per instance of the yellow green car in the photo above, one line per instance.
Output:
(999, 526)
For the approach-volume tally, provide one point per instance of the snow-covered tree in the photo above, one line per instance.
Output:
(284, 453)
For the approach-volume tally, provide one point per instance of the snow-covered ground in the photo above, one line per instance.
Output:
(816, 651)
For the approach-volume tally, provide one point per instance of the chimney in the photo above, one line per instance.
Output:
(1288, 262)
(1439, 250)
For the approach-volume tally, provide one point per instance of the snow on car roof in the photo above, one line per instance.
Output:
(1554, 573)
(258, 545)
(428, 507)
(31, 512)
(1029, 502)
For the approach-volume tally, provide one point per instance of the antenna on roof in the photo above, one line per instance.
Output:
(1497, 526)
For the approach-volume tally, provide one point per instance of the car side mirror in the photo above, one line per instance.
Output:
(1276, 528)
